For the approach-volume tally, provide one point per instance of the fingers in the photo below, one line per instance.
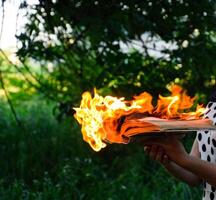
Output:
(159, 155)
(147, 149)
(152, 151)
(165, 160)
(156, 153)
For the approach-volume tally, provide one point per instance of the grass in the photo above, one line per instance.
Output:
(48, 160)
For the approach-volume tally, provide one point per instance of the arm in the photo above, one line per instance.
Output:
(183, 174)
(177, 171)
(205, 170)
(176, 152)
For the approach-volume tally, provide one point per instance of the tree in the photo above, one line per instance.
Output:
(124, 47)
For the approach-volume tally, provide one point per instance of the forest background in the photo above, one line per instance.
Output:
(120, 47)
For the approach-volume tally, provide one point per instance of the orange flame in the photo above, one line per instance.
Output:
(95, 112)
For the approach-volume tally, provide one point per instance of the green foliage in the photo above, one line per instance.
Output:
(121, 47)
(49, 160)
(94, 43)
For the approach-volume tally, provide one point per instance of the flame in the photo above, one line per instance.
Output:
(97, 111)
(174, 106)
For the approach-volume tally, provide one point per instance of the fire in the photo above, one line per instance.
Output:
(174, 106)
(96, 112)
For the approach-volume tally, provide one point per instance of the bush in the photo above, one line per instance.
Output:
(49, 160)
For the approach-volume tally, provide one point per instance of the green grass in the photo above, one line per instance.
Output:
(48, 160)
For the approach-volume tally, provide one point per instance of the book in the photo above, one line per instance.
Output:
(122, 130)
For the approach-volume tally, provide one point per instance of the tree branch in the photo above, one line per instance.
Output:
(10, 102)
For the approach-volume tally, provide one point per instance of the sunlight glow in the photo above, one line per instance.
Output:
(12, 24)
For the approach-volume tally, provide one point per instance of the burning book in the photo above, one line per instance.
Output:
(114, 120)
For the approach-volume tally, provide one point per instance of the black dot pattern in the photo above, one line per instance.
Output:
(210, 104)
(208, 140)
(208, 111)
(212, 196)
(207, 148)
(204, 148)
(212, 151)
(214, 142)
(204, 184)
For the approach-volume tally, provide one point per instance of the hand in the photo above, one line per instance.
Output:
(171, 145)
(157, 153)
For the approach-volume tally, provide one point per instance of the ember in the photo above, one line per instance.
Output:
(112, 119)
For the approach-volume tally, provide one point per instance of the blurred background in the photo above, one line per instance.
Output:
(51, 51)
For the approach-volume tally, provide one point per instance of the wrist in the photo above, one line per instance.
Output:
(184, 161)
(167, 165)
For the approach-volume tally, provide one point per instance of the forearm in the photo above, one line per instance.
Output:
(203, 169)
(182, 174)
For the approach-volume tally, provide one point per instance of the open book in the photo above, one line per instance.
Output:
(132, 126)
